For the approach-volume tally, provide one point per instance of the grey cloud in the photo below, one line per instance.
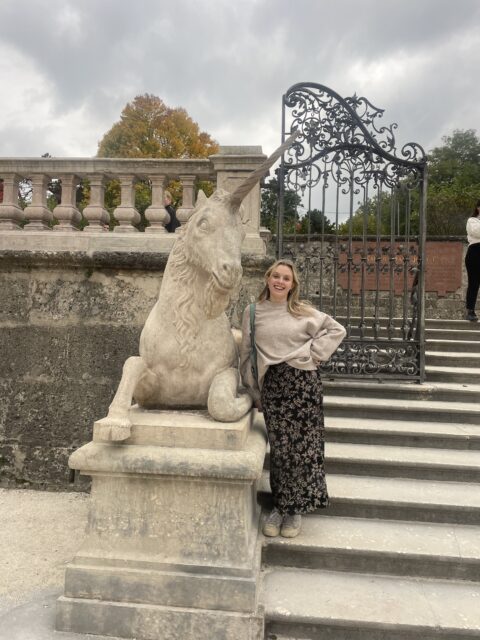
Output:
(228, 63)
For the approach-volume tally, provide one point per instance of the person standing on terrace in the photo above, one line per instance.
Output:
(292, 338)
(472, 263)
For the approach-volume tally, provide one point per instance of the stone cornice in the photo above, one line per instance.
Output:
(112, 167)
(138, 260)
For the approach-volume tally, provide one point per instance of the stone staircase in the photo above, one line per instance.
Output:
(397, 555)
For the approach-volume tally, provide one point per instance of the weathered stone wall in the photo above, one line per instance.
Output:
(68, 321)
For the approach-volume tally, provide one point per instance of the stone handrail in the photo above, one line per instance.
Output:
(225, 169)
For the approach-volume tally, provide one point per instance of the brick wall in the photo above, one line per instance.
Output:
(445, 276)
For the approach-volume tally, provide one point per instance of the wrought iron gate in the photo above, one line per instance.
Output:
(352, 217)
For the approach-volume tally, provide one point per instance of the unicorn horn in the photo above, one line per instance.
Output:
(247, 185)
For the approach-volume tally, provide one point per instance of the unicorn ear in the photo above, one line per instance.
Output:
(201, 197)
(247, 185)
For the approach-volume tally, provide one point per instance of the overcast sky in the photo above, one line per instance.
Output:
(67, 68)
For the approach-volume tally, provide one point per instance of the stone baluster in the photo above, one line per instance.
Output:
(97, 216)
(126, 214)
(10, 213)
(37, 212)
(156, 213)
(66, 212)
(185, 211)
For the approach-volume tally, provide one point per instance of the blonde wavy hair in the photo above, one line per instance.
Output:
(295, 306)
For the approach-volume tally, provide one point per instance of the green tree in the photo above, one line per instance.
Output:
(148, 128)
(453, 188)
(457, 161)
(454, 182)
(372, 216)
(317, 221)
(269, 207)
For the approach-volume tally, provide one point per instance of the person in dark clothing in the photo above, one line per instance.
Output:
(472, 263)
(174, 222)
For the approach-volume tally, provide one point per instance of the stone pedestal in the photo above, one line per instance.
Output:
(172, 548)
(233, 165)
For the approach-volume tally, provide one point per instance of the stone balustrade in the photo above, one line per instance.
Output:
(225, 169)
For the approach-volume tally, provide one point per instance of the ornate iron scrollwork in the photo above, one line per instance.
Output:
(357, 358)
(342, 138)
(364, 277)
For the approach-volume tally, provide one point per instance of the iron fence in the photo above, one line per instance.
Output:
(356, 229)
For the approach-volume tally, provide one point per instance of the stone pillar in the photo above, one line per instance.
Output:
(97, 216)
(66, 212)
(266, 236)
(233, 165)
(156, 213)
(126, 214)
(37, 212)
(173, 547)
(185, 211)
(10, 213)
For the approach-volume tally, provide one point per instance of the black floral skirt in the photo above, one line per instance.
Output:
(292, 403)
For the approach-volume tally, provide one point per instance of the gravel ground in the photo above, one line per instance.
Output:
(40, 532)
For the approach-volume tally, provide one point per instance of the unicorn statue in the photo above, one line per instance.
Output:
(188, 355)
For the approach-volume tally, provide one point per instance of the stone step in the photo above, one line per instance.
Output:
(457, 346)
(460, 375)
(402, 462)
(441, 391)
(407, 433)
(452, 359)
(397, 409)
(352, 606)
(396, 498)
(430, 550)
(453, 334)
(453, 325)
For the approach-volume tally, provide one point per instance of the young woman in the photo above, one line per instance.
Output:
(292, 339)
(472, 262)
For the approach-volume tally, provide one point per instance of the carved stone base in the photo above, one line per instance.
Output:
(126, 620)
(172, 547)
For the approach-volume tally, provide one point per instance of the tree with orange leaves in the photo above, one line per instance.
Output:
(149, 129)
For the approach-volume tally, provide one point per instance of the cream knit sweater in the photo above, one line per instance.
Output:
(473, 230)
(302, 342)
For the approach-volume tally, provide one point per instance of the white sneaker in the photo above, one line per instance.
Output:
(272, 525)
(291, 526)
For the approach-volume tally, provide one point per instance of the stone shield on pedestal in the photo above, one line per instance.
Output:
(172, 548)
